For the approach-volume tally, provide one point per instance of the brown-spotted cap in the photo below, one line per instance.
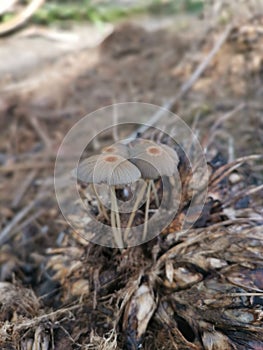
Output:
(152, 159)
(117, 148)
(108, 168)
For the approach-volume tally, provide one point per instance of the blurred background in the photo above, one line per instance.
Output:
(60, 60)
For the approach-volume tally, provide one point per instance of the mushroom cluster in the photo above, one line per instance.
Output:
(120, 165)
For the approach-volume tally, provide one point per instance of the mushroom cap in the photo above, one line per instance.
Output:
(84, 171)
(152, 159)
(108, 168)
(117, 148)
(172, 153)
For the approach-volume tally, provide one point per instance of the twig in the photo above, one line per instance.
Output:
(227, 116)
(229, 138)
(23, 188)
(20, 18)
(242, 194)
(208, 140)
(4, 235)
(28, 221)
(244, 294)
(37, 320)
(50, 34)
(186, 86)
(57, 114)
(27, 165)
(203, 65)
(152, 121)
(40, 132)
(15, 220)
(225, 170)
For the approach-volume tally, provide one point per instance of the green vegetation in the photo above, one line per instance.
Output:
(176, 6)
(88, 10)
(64, 11)
(83, 11)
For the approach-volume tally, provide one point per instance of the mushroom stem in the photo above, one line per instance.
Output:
(116, 210)
(155, 193)
(115, 219)
(134, 209)
(102, 210)
(146, 215)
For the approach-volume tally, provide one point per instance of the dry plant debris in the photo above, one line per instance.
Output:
(200, 289)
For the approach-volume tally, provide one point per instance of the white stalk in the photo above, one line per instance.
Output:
(102, 210)
(147, 210)
(115, 219)
(155, 193)
(134, 209)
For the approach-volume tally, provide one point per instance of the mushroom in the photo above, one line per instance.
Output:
(117, 148)
(113, 170)
(84, 174)
(122, 193)
(153, 161)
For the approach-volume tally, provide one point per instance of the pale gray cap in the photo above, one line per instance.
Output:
(172, 153)
(108, 168)
(117, 148)
(152, 159)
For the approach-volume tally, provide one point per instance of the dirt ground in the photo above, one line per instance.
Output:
(58, 291)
